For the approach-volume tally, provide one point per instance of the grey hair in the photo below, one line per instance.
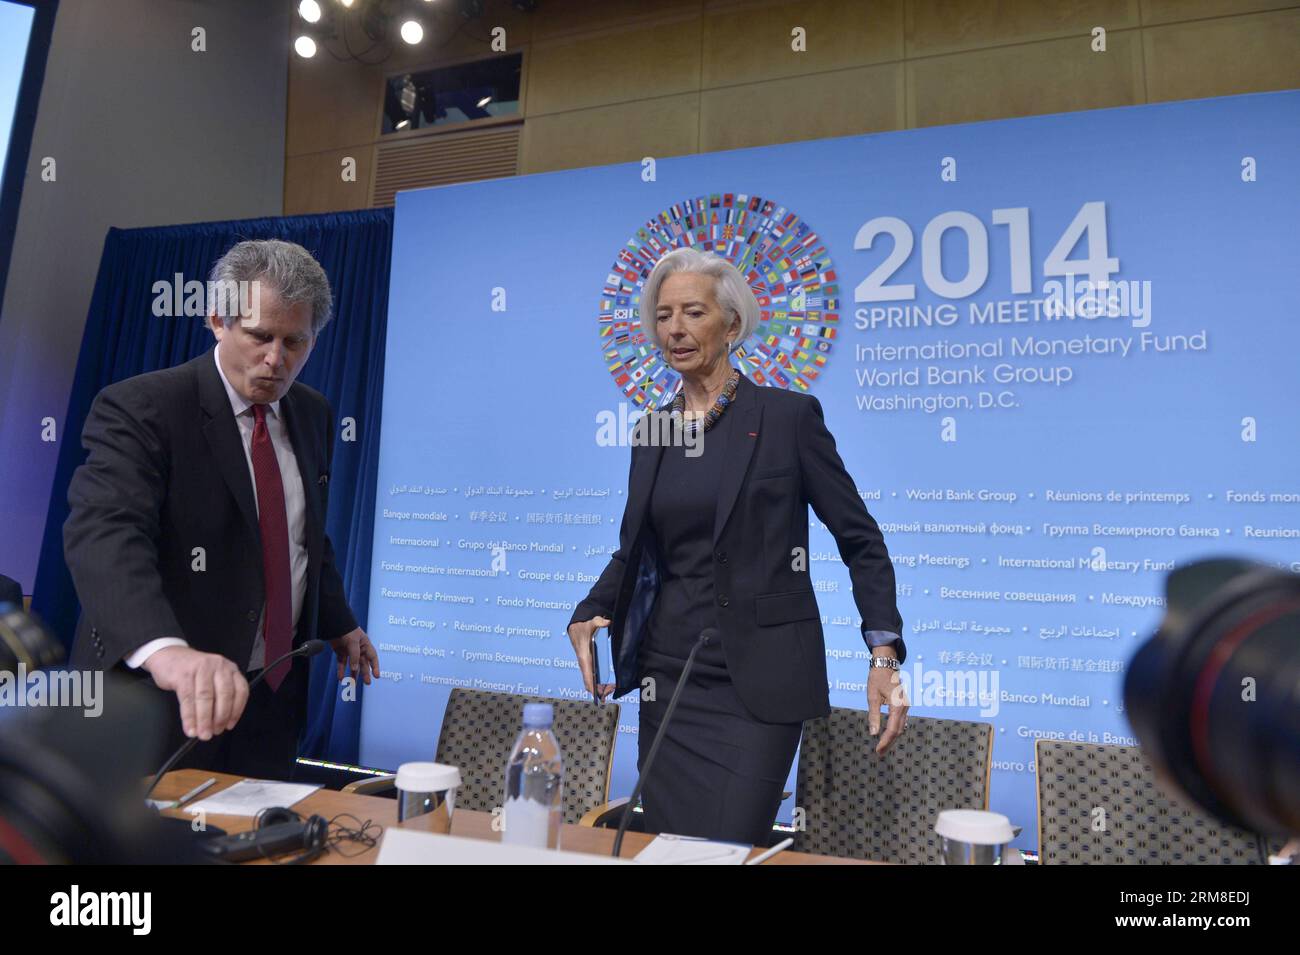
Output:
(729, 288)
(286, 267)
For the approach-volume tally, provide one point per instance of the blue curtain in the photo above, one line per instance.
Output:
(124, 338)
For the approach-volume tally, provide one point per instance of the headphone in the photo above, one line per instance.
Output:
(314, 837)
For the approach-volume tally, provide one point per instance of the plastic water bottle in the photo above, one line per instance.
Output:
(534, 783)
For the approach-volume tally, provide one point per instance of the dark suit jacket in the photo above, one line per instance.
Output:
(165, 474)
(11, 591)
(779, 460)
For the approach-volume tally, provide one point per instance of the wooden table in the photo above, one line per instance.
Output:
(465, 822)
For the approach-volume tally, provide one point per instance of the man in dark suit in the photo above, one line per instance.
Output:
(196, 535)
(11, 591)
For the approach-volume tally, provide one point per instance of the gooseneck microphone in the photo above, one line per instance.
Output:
(707, 636)
(309, 648)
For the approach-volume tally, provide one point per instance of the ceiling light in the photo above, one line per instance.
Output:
(412, 32)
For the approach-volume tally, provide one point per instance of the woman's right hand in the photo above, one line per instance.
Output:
(580, 635)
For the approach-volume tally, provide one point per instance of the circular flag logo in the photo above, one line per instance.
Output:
(781, 257)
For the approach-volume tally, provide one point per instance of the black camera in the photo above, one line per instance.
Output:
(1214, 696)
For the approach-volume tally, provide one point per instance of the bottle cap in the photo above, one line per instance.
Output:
(538, 714)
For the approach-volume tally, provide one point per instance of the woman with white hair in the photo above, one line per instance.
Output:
(715, 537)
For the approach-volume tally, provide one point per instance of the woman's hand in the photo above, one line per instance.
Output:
(884, 686)
(580, 635)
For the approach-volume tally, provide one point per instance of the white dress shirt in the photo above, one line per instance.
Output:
(295, 505)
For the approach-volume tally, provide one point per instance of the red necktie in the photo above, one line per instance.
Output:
(271, 517)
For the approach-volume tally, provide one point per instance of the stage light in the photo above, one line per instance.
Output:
(305, 47)
(309, 10)
(412, 32)
(483, 102)
(346, 3)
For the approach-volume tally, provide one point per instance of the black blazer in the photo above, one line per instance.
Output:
(165, 474)
(11, 591)
(779, 459)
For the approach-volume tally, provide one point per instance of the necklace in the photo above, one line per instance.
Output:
(728, 395)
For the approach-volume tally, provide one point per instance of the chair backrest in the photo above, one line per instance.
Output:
(1101, 804)
(864, 806)
(479, 728)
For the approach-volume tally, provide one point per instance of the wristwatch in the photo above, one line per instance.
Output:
(883, 662)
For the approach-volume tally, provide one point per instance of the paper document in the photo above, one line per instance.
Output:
(248, 797)
(689, 850)
(409, 847)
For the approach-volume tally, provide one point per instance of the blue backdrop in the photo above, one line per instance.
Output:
(1036, 472)
(124, 338)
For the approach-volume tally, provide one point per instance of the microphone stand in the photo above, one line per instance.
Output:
(308, 649)
(705, 638)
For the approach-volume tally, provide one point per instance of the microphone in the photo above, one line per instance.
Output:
(707, 636)
(309, 648)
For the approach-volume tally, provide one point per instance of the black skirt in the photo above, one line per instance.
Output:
(720, 772)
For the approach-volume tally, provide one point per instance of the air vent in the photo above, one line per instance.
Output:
(438, 159)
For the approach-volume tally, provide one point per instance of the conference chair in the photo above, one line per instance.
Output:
(1101, 804)
(479, 729)
(858, 805)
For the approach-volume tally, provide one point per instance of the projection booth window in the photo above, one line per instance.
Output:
(483, 89)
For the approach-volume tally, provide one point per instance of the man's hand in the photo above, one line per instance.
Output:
(884, 686)
(580, 634)
(211, 689)
(356, 655)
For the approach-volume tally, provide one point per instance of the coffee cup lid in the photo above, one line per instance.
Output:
(427, 777)
(976, 826)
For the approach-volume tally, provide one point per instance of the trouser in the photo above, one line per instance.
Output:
(263, 744)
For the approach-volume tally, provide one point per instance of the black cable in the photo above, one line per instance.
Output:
(360, 834)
